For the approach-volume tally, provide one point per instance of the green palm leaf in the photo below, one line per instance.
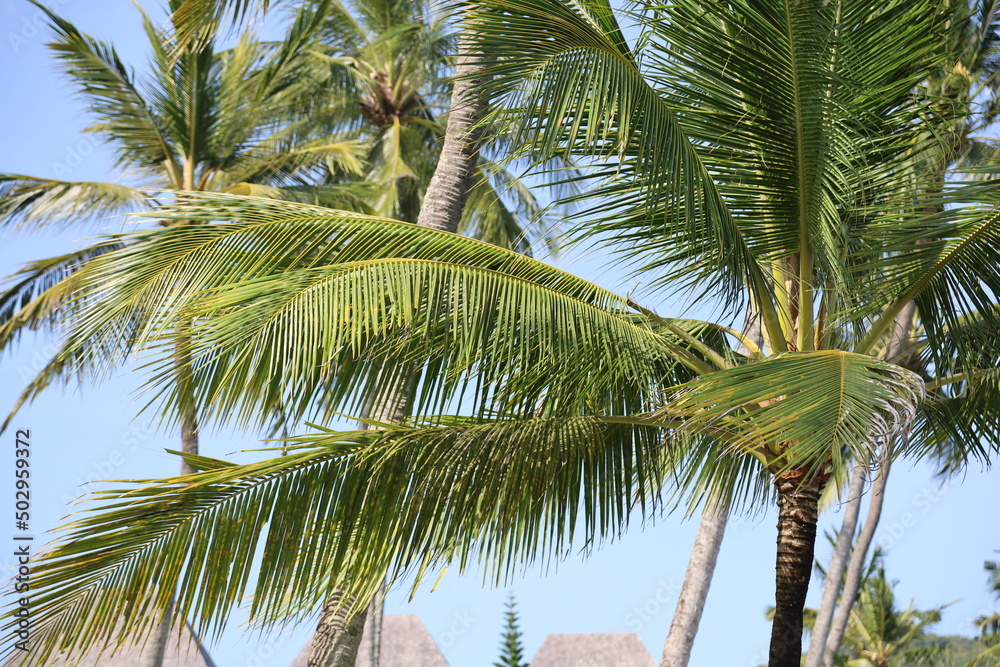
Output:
(802, 410)
(30, 202)
(494, 494)
(477, 313)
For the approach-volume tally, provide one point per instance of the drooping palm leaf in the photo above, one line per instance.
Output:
(29, 202)
(499, 495)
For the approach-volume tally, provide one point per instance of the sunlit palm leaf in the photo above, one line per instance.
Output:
(496, 495)
(353, 291)
(801, 410)
(29, 202)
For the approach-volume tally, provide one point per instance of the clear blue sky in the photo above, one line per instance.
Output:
(938, 536)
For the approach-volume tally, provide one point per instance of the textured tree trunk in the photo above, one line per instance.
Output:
(156, 648)
(826, 638)
(798, 508)
(835, 573)
(455, 173)
(189, 438)
(694, 592)
(704, 554)
(854, 571)
(338, 636)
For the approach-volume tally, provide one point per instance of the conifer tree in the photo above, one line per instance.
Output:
(511, 648)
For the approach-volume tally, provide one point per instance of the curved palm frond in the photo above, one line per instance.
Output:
(40, 290)
(27, 202)
(494, 494)
(571, 83)
(799, 411)
(354, 291)
(124, 117)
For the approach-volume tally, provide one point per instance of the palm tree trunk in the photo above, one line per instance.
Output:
(338, 635)
(826, 637)
(154, 651)
(705, 553)
(694, 592)
(835, 572)
(455, 173)
(798, 509)
(854, 571)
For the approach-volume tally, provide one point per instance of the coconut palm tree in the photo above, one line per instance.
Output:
(211, 120)
(208, 119)
(373, 82)
(880, 634)
(750, 151)
(961, 94)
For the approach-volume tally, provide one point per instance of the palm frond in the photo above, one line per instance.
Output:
(798, 411)
(125, 119)
(341, 509)
(570, 84)
(27, 202)
(359, 293)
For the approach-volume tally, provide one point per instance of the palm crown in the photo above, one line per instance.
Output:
(758, 151)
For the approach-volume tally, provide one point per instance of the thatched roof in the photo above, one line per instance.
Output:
(405, 643)
(593, 650)
(183, 650)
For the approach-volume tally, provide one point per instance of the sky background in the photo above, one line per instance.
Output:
(937, 535)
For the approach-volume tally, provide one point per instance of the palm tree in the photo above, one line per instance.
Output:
(377, 85)
(989, 625)
(879, 633)
(209, 121)
(750, 150)
(206, 120)
(961, 95)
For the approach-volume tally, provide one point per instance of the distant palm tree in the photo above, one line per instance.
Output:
(989, 625)
(879, 634)
(210, 120)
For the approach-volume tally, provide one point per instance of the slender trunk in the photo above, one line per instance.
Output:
(456, 169)
(186, 402)
(704, 554)
(854, 571)
(370, 652)
(694, 592)
(152, 655)
(838, 563)
(187, 408)
(828, 634)
(798, 509)
(338, 636)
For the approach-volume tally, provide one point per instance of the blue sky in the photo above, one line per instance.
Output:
(937, 536)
